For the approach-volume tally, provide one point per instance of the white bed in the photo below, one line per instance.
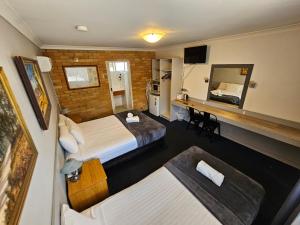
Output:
(105, 138)
(158, 199)
(178, 194)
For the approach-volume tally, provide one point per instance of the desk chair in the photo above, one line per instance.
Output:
(210, 124)
(194, 117)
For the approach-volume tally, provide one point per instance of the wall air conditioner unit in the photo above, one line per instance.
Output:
(45, 63)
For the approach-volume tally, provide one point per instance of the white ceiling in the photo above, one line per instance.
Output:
(118, 23)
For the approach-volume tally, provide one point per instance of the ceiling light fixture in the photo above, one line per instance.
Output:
(81, 28)
(153, 37)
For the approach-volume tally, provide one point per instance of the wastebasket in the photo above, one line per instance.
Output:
(180, 116)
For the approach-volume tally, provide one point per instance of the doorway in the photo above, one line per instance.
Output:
(119, 79)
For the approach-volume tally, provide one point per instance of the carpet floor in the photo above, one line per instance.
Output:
(277, 178)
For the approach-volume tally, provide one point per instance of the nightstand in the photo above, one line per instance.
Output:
(91, 188)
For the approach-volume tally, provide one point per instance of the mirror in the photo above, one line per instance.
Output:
(229, 83)
(81, 76)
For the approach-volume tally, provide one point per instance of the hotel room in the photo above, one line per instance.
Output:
(149, 112)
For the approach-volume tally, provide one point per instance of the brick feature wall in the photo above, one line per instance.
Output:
(95, 102)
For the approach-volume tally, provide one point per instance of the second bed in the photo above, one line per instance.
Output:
(177, 194)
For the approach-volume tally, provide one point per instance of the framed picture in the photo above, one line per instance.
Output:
(17, 156)
(78, 77)
(244, 71)
(34, 85)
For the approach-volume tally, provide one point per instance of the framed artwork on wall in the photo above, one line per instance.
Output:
(244, 71)
(17, 156)
(78, 77)
(31, 77)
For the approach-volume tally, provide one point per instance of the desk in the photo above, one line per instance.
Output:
(273, 130)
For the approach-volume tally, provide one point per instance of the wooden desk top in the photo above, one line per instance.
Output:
(274, 130)
(92, 173)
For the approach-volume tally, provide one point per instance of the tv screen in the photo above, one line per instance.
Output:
(195, 55)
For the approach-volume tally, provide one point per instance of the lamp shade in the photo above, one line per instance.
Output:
(70, 166)
(153, 37)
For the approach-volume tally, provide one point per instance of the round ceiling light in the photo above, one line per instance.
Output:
(153, 37)
(81, 28)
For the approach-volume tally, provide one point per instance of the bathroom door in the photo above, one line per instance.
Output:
(119, 79)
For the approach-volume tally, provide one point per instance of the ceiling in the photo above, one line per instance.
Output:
(119, 23)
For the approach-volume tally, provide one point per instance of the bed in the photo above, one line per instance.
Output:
(231, 99)
(178, 194)
(110, 137)
(228, 93)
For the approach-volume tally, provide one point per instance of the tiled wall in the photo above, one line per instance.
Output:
(95, 102)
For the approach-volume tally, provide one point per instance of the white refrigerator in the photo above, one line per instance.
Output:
(154, 104)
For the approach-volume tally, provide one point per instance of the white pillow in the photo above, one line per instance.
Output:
(222, 86)
(240, 89)
(62, 120)
(71, 217)
(233, 87)
(75, 131)
(67, 141)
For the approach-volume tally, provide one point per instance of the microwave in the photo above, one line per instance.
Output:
(155, 87)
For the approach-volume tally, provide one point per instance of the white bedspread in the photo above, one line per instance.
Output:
(105, 138)
(219, 92)
(159, 199)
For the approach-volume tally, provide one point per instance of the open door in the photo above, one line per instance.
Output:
(119, 78)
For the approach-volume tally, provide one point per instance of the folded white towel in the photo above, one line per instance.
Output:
(129, 115)
(212, 174)
(134, 119)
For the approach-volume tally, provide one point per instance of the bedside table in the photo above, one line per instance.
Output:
(91, 188)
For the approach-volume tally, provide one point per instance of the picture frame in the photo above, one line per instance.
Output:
(239, 67)
(18, 154)
(81, 76)
(34, 85)
(244, 71)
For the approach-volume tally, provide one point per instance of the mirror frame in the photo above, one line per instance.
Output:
(65, 67)
(246, 84)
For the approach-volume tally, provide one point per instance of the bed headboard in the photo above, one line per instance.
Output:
(59, 186)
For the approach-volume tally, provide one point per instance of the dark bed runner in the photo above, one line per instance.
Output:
(146, 131)
(225, 98)
(235, 202)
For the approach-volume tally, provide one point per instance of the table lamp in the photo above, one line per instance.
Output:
(72, 169)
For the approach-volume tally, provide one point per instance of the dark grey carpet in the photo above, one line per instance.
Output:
(276, 177)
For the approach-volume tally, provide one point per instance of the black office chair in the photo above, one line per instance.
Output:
(210, 124)
(195, 116)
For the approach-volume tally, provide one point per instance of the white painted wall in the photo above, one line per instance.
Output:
(38, 204)
(275, 55)
(228, 75)
(59, 187)
(117, 83)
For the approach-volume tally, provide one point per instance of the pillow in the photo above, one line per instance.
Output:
(71, 217)
(75, 131)
(240, 89)
(62, 120)
(236, 88)
(233, 87)
(67, 141)
(222, 86)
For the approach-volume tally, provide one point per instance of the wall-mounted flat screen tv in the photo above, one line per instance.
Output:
(195, 55)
